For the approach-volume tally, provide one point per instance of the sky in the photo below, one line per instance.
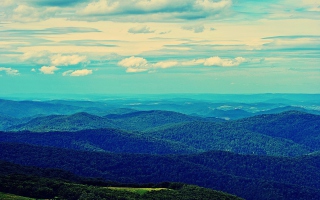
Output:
(159, 46)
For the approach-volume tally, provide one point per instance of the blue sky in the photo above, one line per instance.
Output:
(159, 46)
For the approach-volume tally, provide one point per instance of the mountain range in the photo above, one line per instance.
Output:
(254, 150)
(290, 133)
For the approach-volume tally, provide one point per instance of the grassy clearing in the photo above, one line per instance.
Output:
(140, 191)
(4, 196)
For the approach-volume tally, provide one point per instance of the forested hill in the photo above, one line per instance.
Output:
(247, 176)
(101, 140)
(302, 128)
(207, 136)
(41, 183)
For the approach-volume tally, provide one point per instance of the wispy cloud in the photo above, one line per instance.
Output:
(25, 13)
(140, 29)
(80, 72)
(57, 3)
(48, 58)
(138, 64)
(10, 71)
(217, 61)
(194, 28)
(48, 31)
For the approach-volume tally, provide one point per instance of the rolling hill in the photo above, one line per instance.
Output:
(101, 140)
(6, 122)
(302, 128)
(207, 136)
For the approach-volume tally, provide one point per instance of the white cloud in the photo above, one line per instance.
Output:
(38, 57)
(140, 29)
(80, 72)
(138, 64)
(134, 64)
(9, 71)
(217, 61)
(193, 62)
(48, 69)
(65, 60)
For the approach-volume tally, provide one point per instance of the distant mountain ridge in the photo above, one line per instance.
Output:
(140, 120)
(74, 122)
(143, 120)
(239, 106)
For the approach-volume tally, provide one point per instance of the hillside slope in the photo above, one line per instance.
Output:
(208, 136)
(102, 140)
(300, 127)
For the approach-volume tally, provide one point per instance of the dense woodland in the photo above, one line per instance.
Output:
(57, 149)
(247, 176)
(73, 188)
